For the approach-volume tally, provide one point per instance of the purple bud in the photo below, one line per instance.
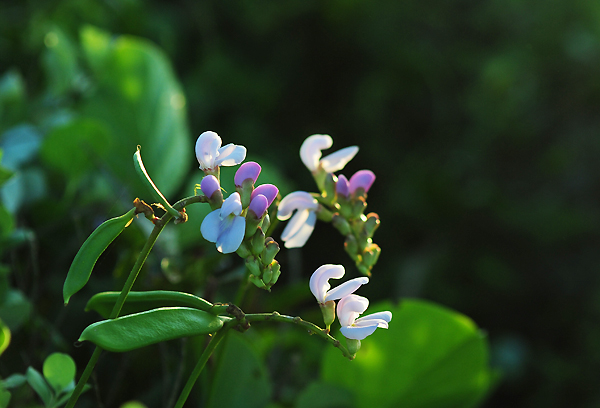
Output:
(248, 170)
(259, 205)
(268, 190)
(362, 178)
(342, 186)
(209, 185)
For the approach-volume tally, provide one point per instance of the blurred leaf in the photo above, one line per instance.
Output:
(4, 337)
(39, 385)
(20, 145)
(59, 370)
(23, 189)
(4, 398)
(321, 395)
(241, 379)
(59, 60)
(14, 380)
(133, 404)
(77, 146)
(430, 357)
(141, 101)
(16, 309)
(7, 222)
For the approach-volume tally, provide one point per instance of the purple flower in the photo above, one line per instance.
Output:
(248, 170)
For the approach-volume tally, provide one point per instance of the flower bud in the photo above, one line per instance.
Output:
(253, 267)
(341, 224)
(353, 346)
(258, 282)
(324, 214)
(266, 222)
(257, 243)
(329, 184)
(243, 251)
(371, 224)
(276, 268)
(358, 207)
(271, 248)
(328, 311)
(212, 190)
(371, 255)
(351, 246)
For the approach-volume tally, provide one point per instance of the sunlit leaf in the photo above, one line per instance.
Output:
(4, 337)
(59, 370)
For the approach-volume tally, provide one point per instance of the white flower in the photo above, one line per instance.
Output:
(225, 226)
(211, 155)
(310, 153)
(319, 283)
(348, 310)
(298, 230)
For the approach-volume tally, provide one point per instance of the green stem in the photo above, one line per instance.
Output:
(212, 345)
(158, 227)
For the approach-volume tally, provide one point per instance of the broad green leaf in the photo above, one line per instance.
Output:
(14, 380)
(15, 310)
(81, 268)
(142, 329)
(322, 395)
(239, 361)
(142, 301)
(75, 147)
(4, 398)
(39, 385)
(430, 357)
(4, 337)
(141, 101)
(59, 370)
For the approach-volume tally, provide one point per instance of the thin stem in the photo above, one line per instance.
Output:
(210, 348)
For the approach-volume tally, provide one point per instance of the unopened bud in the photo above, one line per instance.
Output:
(341, 224)
(329, 188)
(353, 346)
(359, 206)
(351, 246)
(258, 282)
(371, 224)
(371, 255)
(243, 251)
(257, 243)
(324, 214)
(271, 248)
(253, 267)
(328, 311)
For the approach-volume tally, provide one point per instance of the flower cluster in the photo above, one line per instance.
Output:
(341, 201)
(237, 223)
(349, 307)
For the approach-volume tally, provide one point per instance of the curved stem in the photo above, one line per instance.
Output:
(212, 345)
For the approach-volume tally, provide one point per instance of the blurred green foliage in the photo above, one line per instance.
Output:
(479, 119)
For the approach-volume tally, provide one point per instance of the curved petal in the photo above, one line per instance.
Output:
(310, 151)
(386, 317)
(248, 170)
(345, 288)
(362, 178)
(270, 191)
(211, 226)
(230, 155)
(295, 201)
(207, 147)
(350, 307)
(209, 185)
(299, 238)
(258, 205)
(319, 280)
(232, 205)
(357, 333)
(336, 161)
(342, 187)
(231, 237)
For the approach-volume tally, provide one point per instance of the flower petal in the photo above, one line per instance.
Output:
(345, 288)
(385, 316)
(357, 333)
(310, 151)
(295, 201)
(336, 161)
(230, 155)
(342, 186)
(301, 235)
(211, 226)
(248, 170)
(362, 178)
(350, 307)
(270, 191)
(231, 237)
(232, 205)
(207, 147)
(258, 205)
(319, 280)
(209, 185)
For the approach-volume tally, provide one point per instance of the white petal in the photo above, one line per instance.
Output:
(211, 226)
(345, 288)
(230, 155)
(357, 333)
(386, 317)
(336, 161)
(231, 237)
(207, 147)
(350, 307)
(301, 236)
(310, 151)
(232, 205)
(295, 201)
(319, 280)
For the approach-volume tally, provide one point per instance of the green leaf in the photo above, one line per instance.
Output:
(4, 398)
(241, 379)
(81, 268)
(75, 147)
(322, 395)
(133, 404)
(142, 329)
(59, 370)
(141, 101)
(142, 301)
(39, 385)
(14, 381)
(4, 337)
(15, 310)
(430, 357)
(60, 61)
